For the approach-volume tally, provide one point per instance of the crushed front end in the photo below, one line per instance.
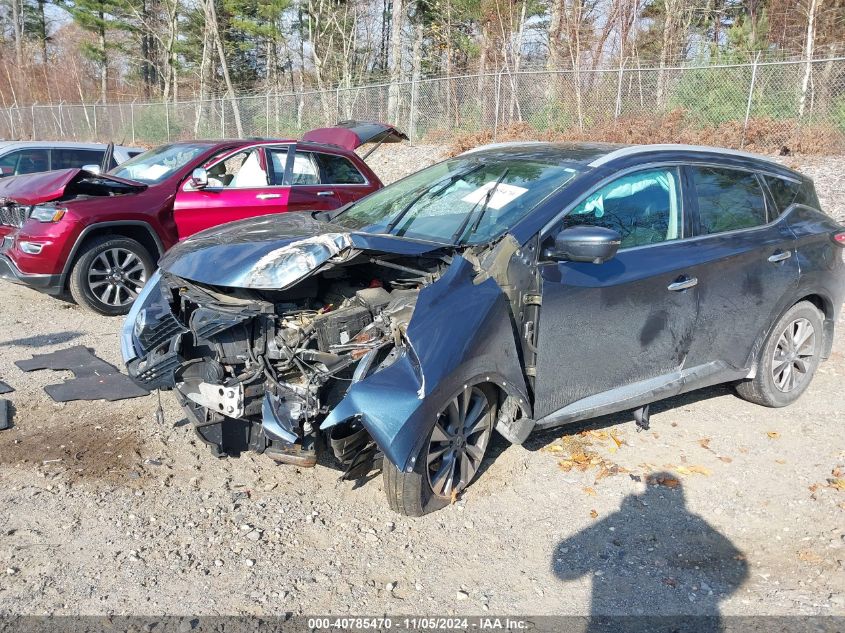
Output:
(259, 369)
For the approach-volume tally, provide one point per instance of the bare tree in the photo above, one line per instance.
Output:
(812, 10)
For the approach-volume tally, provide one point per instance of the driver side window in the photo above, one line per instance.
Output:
(238, 171)
(643, 207)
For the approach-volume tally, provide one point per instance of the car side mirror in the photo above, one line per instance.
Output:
(595, 244)
(92, 169)
(199, 178)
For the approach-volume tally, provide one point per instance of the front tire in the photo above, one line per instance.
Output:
(450, 457)
(109, 273)
(788, 360)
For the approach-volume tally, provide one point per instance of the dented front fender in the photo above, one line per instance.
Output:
(461, 332)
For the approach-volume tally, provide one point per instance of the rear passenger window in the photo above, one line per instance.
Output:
(338, 170)
(783, 191)
(728, 199)
(66, 158)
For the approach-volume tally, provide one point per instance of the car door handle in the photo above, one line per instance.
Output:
(325, 193)
(682, 284)
(779, 257)
(268, 196)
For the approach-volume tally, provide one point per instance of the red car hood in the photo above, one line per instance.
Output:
(32, 189)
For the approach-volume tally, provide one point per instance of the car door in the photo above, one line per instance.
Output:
(238, 187)
(307, 191)
(619, 330)
(747, 267)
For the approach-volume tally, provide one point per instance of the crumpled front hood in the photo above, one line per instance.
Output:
(36, 188)
(29, 189)
(274, 251)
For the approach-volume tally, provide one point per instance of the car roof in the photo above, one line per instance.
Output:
(593, 155)
(61, 145)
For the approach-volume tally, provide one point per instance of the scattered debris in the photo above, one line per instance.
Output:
(773, 435)
(594, 514)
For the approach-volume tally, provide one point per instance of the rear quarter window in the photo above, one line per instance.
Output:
(728, 199)
(784, 192)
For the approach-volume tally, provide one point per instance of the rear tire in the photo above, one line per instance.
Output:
(788, 360)
(109, 273)
(454, 449)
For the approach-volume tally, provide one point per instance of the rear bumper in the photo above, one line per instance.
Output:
(50, 284)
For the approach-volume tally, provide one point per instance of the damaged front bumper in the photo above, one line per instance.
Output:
(371, 373)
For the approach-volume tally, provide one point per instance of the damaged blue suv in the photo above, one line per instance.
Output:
(511, 288)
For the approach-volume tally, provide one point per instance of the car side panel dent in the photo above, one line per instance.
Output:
(460, 333)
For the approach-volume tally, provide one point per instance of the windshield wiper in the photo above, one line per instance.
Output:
(487, 197)
(446, 182)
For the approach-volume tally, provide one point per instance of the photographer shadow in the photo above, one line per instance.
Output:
(654, 565)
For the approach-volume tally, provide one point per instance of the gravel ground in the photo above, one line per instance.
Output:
(720, 506)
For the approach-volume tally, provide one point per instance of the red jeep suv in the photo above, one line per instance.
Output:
(99, 236)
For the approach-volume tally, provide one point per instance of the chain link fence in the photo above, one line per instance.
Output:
(799, 105)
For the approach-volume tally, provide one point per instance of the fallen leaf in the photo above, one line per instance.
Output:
(727, 460)
(705, 443)
(837, 484)
(594, 514)
(655, 436)
(701, 470)
(565, 465)
(773, 435)
(554, 448)
(590, 491)
(780, 461)
(617, 441)
(837, 472)
(454, 498)
(663, 480)
(809, 556)
(670, 582)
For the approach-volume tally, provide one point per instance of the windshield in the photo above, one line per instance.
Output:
(156, 165)
(459, 201)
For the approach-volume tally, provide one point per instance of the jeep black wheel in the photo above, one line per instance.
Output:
(109, 273)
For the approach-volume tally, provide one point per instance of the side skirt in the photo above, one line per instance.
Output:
(641, 393)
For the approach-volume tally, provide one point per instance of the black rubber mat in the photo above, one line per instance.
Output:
(109, 387)
(4, 388)
(5, 415)
(78, 359)
(94, 378)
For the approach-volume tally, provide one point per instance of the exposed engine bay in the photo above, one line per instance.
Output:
(258, 369)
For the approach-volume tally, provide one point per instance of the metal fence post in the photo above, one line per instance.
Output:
(412, 113)
(498, 84)
(750, 97)
(32, 115)
(222, 117)
(96, 137)
(132, 120)
(167, 118)
(267, 114)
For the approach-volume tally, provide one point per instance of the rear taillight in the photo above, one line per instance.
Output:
(839, 238)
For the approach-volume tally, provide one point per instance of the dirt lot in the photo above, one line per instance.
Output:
(722, 505)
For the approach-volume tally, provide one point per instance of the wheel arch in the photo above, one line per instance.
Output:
(825, 305)
(821, 301)
(141, 232)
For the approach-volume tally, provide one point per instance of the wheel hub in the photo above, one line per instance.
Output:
(458, 442)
